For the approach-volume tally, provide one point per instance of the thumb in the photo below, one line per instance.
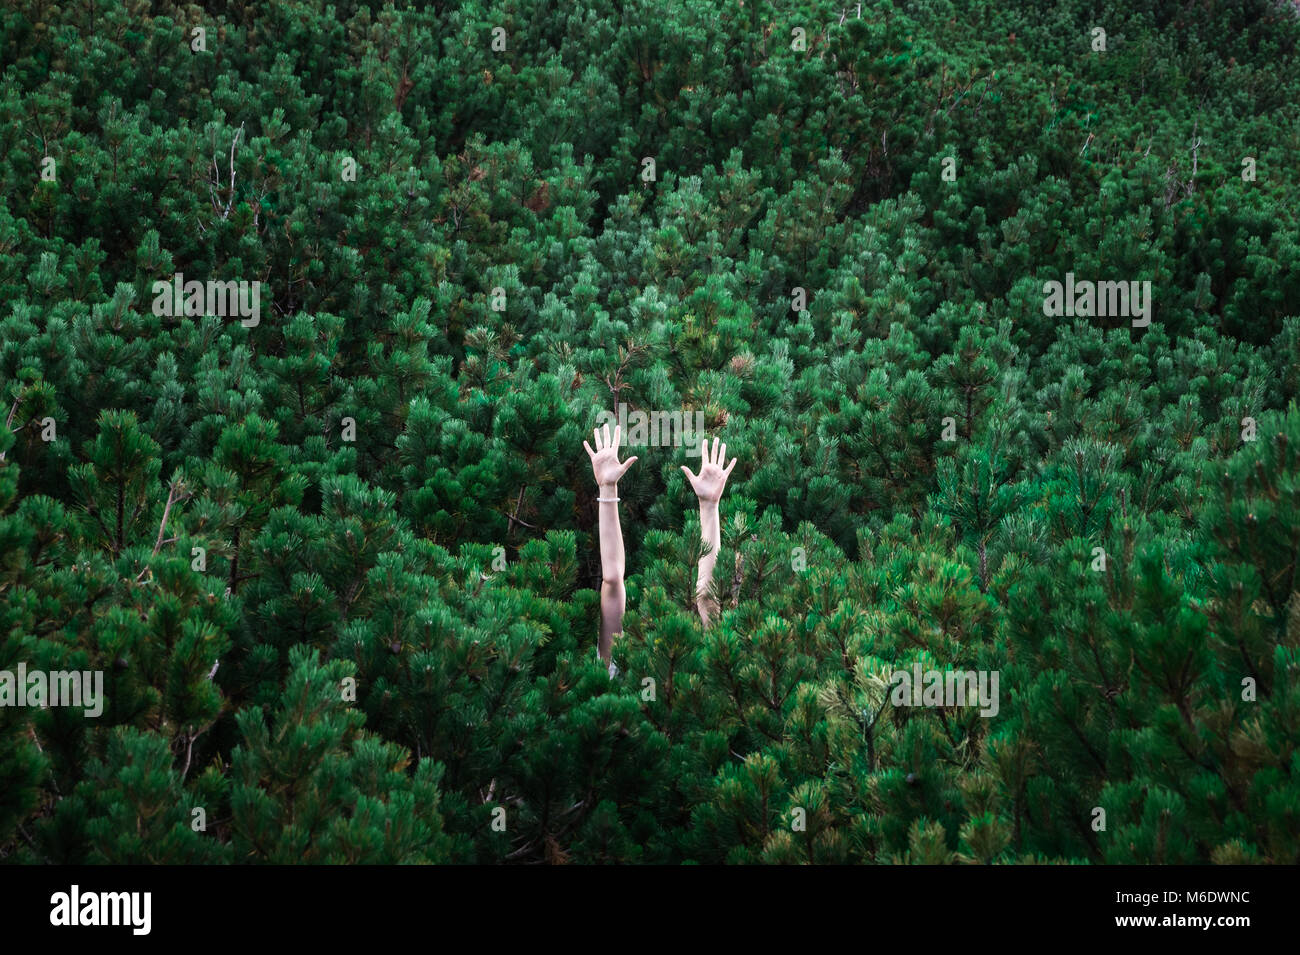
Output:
(627, 464)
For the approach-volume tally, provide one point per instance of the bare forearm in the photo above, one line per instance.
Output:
(710, 534)
(613, 601)
(613, 596)
(611, 535)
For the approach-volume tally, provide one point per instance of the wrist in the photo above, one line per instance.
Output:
(607, 490)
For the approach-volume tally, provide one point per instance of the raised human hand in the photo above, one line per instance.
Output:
(711, 480)
(604, 460)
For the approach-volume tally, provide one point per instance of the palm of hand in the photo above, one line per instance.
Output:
(604, 459)
(606, 466)
(711, 480)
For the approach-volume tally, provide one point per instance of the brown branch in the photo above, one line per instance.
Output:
(174, 493)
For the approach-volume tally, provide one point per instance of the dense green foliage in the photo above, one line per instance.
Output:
(375, 559)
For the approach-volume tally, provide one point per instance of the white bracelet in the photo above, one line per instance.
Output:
(607, 500)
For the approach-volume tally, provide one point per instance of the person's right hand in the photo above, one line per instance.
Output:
(708, 484)
(604, 460)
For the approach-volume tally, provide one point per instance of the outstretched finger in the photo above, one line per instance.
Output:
(713, 457)
(722, 455)
(596, 433)
(608, 441)
(616, 436)
(727, 472)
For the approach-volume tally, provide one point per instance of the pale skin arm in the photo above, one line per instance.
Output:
(613, 597)
(708, 486)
